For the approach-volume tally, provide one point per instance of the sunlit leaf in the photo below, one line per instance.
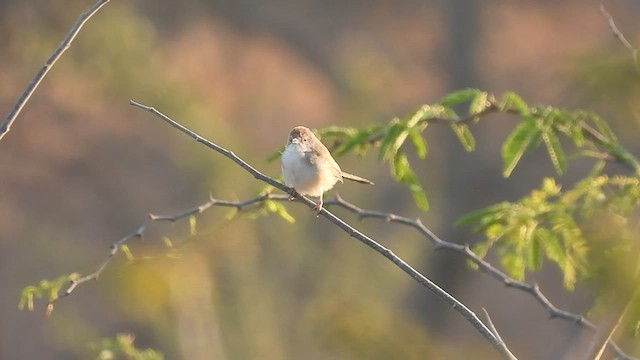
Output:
(535, 254)
(479, 103)
(464, 135)
(360, 138)
(554, 149)
(193, 221)
(393, 139)
(403, 173)
(513, 102)
(516, 144)
(480, 249)
(514, 265)
(419, 143)
(458, 97)
(127, 252)
(482, 216)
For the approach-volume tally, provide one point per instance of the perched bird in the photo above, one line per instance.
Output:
(308, 167)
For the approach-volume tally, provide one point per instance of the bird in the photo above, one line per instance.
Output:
(308, 167)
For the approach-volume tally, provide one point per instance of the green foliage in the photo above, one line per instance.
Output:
(48, 288)
(122, 347)
(549, 223)
(520, 139)
(546, 125)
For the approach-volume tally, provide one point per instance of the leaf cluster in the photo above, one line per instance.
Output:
(46, 288)
(559, 226)
(543, 125)
(122, 347)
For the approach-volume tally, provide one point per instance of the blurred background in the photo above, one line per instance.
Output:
(81, 169)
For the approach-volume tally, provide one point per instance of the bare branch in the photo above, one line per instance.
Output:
(495, 331)
(458, 306)
(31, 88)
(619, 306)
(139, 233)
(465, 251)
(619, 34)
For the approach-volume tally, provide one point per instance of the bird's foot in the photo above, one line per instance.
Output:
(292, 194)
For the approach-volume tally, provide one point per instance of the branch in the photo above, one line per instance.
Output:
(469, 315)
(31, 88)
(465, 251)
(494, 330)
(139, 233)
(620, 304)
(620, 35)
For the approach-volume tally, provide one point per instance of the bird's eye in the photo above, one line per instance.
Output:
(305, 139)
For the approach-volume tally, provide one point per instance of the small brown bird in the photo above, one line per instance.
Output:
(308, 167)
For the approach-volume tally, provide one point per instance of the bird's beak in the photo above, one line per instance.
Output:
(295, 141)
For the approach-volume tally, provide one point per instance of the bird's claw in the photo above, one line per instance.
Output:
(292, 194)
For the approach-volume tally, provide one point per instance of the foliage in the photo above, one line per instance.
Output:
(122, 347)
(585, 230)
(49, 288)
(538, 125)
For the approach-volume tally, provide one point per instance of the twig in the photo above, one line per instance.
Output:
(494, 330)
(139, 233)
(486, 267)
(469, 315)
(619, 307)
(465, 251)
(31, 88)
(619, 34)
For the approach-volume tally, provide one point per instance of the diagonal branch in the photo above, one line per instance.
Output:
(619, 34)
(31, 88)
(493, 328)
(142, 229)
(458, 306)
(465, 251)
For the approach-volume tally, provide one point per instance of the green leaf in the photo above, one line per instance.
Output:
(479, 103)
(517, 143)
(127, 253)
(419, 143)
(359, 139)
(514, 265)
(482, 216)
(280, 210)
(556, 154)
(513, 102)
(602, 127)
(535, 254)
(335, 132)
(550, 243)
(569, 275)
(392, 140)
(458, 97)
(193, 222)
(27, 295)
(480, 249)
(403, 173)
(465, 136)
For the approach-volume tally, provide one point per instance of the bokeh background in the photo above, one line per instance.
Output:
(81, 168)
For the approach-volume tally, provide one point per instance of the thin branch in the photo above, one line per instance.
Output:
(619, 307)
(465, 251)
(31, 88)
(458, 306)
(494, 330)
(139, 233)
(619, 34)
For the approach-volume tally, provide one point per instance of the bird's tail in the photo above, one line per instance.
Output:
(356, 178)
